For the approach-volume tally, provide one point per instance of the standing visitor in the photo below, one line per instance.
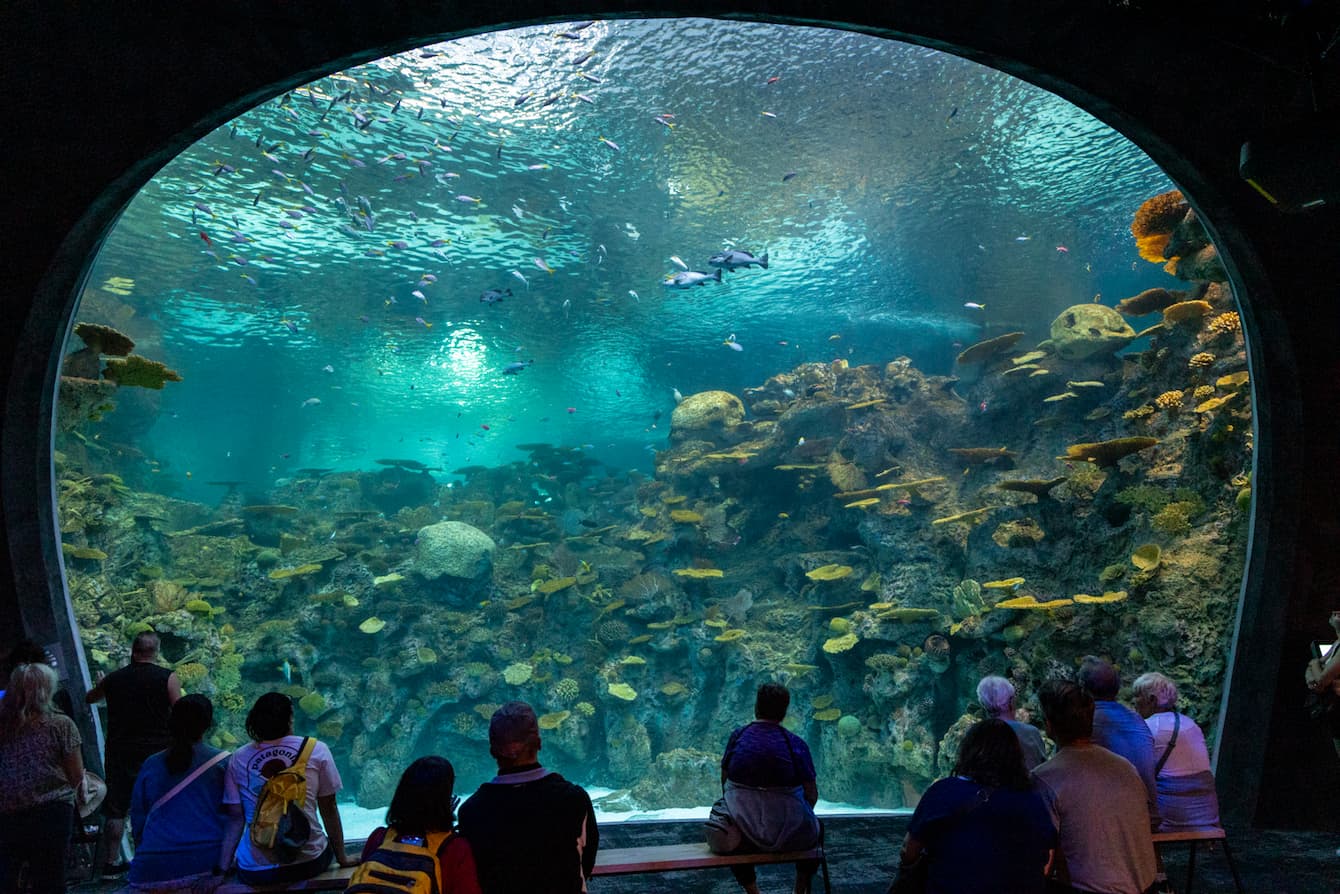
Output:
(43, 773)
(139, 697)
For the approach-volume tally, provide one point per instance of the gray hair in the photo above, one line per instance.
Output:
(1159, 687)
(995, 694)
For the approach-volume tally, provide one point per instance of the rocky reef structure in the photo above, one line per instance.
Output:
(872, 536)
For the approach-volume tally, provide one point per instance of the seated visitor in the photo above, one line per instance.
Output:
(1097, 801)
(176, 808)
(984, 829)
(43, 772)
(531, 831)
(996, 695)
(421, 820)
(274, 747)
(768, 777)
(1119, 729)
(1187, 799)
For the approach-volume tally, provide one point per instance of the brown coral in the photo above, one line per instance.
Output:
(985, 350)
(1147, 302)
(1107, 453)
(1186, 312)
(140, 372)
(1224, 324)
(1155, 221)
(104, 339)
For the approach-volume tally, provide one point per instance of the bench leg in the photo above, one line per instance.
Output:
(823, 867)
(1191, 867)
(1232, 867)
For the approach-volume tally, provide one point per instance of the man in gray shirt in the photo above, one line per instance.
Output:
(996, 695)
(1096, 799)
(1118, 728)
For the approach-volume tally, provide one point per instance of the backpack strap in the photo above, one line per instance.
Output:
(304, 754)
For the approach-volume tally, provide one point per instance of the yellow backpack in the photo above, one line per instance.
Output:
(401, 867)
(279, 823)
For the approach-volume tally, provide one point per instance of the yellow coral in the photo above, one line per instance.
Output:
(373, 624)
(861, 504)
(819, 702)
(1186, 311)
(841, 643)
(299, 571)
(1031, 602)
(828, 715)
(1008, 583)
(699, 573)
(553, 586)
(1215, 403)
(1201, 360)
(1108, 597)
(1147, 557)
(1142, 412)
(387, 579)
(1202, 392)
(1232, 380)
(730, 636)
(1224, 324)
(1169, 400)
(685, 516)
(623, 691)
(972, 516)
(554, 720)
(829, 572)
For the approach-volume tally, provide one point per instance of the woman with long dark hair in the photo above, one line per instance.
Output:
(983, 829)
(42, 770)
(421, 821)
(176, 807)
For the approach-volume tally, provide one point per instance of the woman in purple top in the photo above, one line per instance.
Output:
(984, 829)
(768, 777)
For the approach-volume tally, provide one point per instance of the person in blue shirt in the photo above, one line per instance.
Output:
(1118, 728)
(176, 807)
(768, 777)
(984, 829)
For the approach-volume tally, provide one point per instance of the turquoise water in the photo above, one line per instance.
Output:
(303, 510)
(916, 175)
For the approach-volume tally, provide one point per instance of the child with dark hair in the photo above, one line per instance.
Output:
(983, 829)
(274, 747)
(420, 822)
(176, 808)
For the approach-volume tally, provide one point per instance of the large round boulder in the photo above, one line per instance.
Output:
(453, 549)
(1089, 330)
(704, 414)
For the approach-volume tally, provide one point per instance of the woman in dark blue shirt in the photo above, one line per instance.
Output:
(984, 829)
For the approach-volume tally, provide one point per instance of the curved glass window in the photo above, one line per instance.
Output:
(620, 367)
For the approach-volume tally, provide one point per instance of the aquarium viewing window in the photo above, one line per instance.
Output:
(549, 365)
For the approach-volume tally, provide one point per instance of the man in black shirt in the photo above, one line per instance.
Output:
(139, 698)
(532, 831)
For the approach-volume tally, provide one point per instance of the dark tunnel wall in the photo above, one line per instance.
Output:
(99, 98)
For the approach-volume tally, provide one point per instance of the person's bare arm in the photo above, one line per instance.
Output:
(73, 765)
(232, 834)
(911, 850)
(96, 694)
(330, 819)
(174, 688)
(811, 790)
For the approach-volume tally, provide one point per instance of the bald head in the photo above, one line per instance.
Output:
(145, 647)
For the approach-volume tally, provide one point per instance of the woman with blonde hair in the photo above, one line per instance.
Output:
(43, 773)
(1187, 799)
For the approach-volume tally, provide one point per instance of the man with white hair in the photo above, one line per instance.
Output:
(996, 695)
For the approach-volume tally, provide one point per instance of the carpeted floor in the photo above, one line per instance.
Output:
(862, 851)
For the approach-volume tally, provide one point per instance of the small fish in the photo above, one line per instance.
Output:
(421, 321)
(1063, 250)
(610, 143)
(665, 120)
(292, 326)
(469, 200)
(205, 237)
(735, 259)
(427, 278)
(328, 368)
(772, 80)
(590, 77)
(571, 410)
(768, 114)
(687, 279)
(584, 98)
(679, 398)
(634, 296)
(981, 408)
(521, 276)
(539, 262)
(311, 402)
(1023, 238)
(535, 167)
(493, 296)
(678, 262)
(420, 295)
(584, 57)
(974, 305)
(485, 427)
(952, 113)
(398, 243)
(567, 303)
(287, 670)
(732, 343)
(516, 367)
(788, 175)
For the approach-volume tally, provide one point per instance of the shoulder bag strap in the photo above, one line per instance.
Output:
(195, 774)
(1177, 724)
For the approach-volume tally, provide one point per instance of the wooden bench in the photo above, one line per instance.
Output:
(1194, 838)
(614, 861)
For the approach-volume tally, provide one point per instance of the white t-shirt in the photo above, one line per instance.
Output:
(254, 763)
(1189, 756)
